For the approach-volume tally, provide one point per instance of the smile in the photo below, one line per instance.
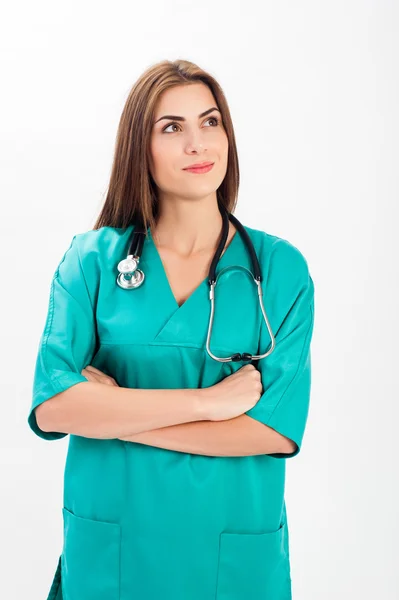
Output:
(200, 169)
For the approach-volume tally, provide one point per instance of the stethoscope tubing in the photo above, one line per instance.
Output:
(130, 277)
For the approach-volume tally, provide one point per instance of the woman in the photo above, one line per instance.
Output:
(174, 478)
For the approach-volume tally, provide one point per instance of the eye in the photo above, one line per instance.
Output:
(170, 125)
(177, 124)
(213, 119)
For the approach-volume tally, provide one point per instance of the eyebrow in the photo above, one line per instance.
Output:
(177, 118)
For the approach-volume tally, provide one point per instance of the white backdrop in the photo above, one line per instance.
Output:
(313, 91)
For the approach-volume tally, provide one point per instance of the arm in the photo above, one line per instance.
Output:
(96, 410)
(92, 409)
(286, 373)
(64, 400)
(241, 436)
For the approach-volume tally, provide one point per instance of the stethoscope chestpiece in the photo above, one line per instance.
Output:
(130, 277)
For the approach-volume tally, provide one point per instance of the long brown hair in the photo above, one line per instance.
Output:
(131, 195)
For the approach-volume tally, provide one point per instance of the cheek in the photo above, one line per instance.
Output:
(163, 157)
(221, 149)
(219, 143)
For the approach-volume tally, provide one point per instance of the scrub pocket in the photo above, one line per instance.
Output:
(253, 566)
(90, 560)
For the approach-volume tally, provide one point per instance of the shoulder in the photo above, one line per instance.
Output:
(92, 252)
(283, 264)
(98, 247)
(274, 249)
(100, 240)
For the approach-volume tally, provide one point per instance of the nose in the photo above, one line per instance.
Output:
(195, 145)
(194, 140)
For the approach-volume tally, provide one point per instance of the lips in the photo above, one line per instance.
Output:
(200, 167)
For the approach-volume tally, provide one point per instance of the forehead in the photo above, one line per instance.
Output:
(185, 100)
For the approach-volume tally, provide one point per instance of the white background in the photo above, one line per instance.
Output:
(313, 92)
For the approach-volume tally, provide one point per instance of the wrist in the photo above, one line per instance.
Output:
(202, 404)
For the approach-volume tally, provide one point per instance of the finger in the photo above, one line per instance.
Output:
(94, 374)
(109, 381)
(100, 373)
(91, 368)
(90, 376)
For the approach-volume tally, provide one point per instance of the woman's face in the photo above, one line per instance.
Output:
(179, 143)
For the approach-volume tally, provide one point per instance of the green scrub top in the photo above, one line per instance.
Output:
(142, 522)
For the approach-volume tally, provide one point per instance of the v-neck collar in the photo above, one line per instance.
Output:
(150, 250)
(186, 324)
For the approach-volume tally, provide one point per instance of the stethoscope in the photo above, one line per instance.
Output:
(131, 277)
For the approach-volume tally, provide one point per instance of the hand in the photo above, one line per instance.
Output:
(98, 376)
(232, 396)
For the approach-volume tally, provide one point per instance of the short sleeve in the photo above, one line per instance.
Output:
(286, 372)
(68, 340)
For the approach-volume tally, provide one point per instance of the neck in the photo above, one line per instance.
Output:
(189, 226)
